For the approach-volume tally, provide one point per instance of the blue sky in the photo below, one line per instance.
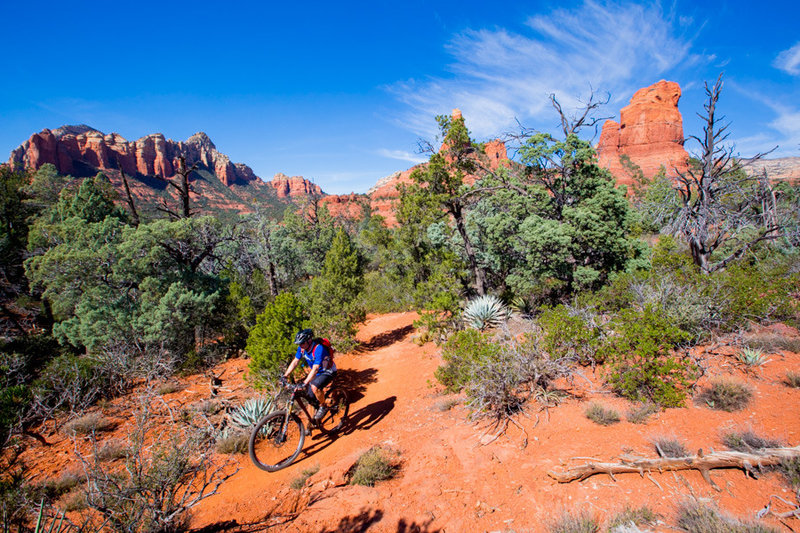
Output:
(341, 92)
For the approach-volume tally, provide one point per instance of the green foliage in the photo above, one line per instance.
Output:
(248, 414)
(600, 414)
(270, 342)
(72, 383)
(14, 214)
(752, 356)
(334, 294)
(569, 333)
(374, 465)
(463, 353)
(485, 312)
(384, 293)
(641, 365)
(724, 394)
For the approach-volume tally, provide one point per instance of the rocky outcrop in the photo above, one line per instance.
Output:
(781, 168)
(83, 150)
(294, 186)
(649, 134)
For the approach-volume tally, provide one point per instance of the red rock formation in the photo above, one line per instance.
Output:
(71, 147)
(650, 133)
(293, 186)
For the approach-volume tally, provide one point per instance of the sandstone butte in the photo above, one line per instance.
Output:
(649, 132)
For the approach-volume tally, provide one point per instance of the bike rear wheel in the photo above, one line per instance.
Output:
(275, 441)
(338, 404)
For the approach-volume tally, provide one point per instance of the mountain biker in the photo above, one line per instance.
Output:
(316, 356)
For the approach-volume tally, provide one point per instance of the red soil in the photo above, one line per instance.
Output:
(454, 477)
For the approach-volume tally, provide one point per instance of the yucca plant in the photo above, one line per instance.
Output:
(246, 415)
(752, 356)
(485, 312)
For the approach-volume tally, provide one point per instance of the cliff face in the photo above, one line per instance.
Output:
(81, 150)
(649, 132)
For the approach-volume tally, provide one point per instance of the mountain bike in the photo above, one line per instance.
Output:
(277, 439)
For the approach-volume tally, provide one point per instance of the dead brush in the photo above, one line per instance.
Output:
(669, 447)
(748, 441)
(600, 414)
(641, 413)
(772, 343)
(725, 394)
(698, 517)
(88, 424)
(579, 522)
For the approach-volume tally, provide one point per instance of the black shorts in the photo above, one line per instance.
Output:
(322, 378)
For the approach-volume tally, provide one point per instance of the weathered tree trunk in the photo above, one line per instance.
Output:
(480, 276)
(628, 464)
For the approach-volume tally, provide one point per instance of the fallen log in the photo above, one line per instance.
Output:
(631, 464)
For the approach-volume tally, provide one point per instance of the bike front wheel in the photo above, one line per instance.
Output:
(338, 404)
(276, 441)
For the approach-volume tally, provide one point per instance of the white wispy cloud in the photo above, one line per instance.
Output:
(789, 60)
(498, 75)
(402, 155)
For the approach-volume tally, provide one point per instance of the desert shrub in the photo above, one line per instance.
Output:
(111, 451)
(792, 379)
(271, 340)
(790, 468)
(696, 517)
(582, 522)
(641, 365)
(165, 475)
(232, 441)
(374, 465)
(669, 447)
(726, 395)
(772, 343)
(463, 353)
(760, 292)
(300, 481)
(74, 500)
(384, 294)
(69, 382)
(88, 424)
(641, 413)
(169, 388)
(485, 312)
(570, 333)
(52, 489)
(446, 404)
(747, 441)
(637, 516)
(600, 414)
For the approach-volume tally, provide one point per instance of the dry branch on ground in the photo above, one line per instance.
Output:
(749, 462)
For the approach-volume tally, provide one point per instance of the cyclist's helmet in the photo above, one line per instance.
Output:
(303, 336)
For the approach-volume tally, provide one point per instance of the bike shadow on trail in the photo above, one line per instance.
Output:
(355, 381)
(385, 339)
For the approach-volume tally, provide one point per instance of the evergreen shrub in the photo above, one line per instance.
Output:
(271, 341)
(463, 353)
(569, 333)
(641, 365)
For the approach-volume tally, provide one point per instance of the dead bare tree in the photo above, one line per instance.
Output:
(718, 200)
(128, 196)
(184, 189)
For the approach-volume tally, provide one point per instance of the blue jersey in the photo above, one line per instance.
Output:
(317, 356)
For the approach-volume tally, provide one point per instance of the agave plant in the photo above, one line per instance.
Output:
(253, 410)
(485, 312)
(752, 357)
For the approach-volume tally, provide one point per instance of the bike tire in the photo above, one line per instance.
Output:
(275, 441)
(338, 403)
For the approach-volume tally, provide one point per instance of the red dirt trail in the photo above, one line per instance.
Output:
(454, 478)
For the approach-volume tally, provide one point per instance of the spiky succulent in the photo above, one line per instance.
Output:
(485, 312)
(752, 356)
(250, 412)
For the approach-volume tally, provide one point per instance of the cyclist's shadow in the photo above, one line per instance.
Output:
(364, 418)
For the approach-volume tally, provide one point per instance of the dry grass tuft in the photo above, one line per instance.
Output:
(670, 447)
(697, 517)
(726, 395)
(641, 413)
(602, 415)
(300, 481)
(88, 424)
(374, 465)
(582, 522)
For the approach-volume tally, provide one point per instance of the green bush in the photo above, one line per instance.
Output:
(375, 465)
(569, 333)
(641, 365)
(271, 341)
(383, 294)
(71, 382)
(463, 353)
